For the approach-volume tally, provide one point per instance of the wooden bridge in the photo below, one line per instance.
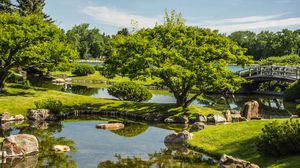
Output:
(269, 73)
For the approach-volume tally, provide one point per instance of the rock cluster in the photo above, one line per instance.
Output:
(231, 162)
(6, 117)
(41, 115)
(177, 119)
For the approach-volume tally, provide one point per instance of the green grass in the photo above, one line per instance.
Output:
(238, 140)
(98, 77)
(18, 101)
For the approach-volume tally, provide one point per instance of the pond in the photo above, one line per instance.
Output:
(270, 106)
(135, 145)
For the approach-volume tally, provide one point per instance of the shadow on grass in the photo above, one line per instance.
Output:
(247, 150)
(20, 93)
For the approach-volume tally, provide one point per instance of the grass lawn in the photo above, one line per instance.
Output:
(97, 76)
(238, 140)
(18, 101)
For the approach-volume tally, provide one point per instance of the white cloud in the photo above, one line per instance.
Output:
(115, 17)
(249, 23)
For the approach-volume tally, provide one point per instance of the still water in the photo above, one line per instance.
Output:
(135, 145)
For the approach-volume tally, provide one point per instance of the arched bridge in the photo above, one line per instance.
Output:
(269, 73)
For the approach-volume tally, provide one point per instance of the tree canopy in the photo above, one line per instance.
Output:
(186, 59)
(266, 43)
(29, 41)
(25, 7)
(88, 42)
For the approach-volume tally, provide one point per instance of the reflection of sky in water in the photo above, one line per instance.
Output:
(96, 145)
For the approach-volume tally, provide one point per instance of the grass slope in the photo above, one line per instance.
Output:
(18, 101)
(238, 140)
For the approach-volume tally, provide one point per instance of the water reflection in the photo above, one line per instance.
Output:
(165, 158)
(138, 144)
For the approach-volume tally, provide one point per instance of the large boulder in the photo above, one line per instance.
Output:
(251, 109)
(216, 118)
(231, 162)
(197, 126)
(19, 145)
(41, 115)
(110, 126)
(177, 119)
(180, 137)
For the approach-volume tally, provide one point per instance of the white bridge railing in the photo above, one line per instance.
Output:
(271, 71)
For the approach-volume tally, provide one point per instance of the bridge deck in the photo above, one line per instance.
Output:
(265, 73)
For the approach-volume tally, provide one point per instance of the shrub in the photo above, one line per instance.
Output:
(55, 106)
(292, 92)
(282, 60)
(280, 138)
(130, 91)
(83, 70)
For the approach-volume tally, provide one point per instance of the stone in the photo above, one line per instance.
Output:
(216, 118)
(61, 148)
(238, 119)
(110, 126)
(180, 137)
(68, 79)
(227, 115)
(231, 162)
(177, 119)
(156, 117)
(19, 145)
(41, 115)
(5, 116)
(18, 117)
(294, 116)
(201, 118)
(251, 109)
(58, 80)
(235, 112)
(197, 126)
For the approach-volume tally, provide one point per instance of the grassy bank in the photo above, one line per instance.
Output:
(17, 101)
(238, 140)
(98, 77)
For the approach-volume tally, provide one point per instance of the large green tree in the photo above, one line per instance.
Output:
(88, 42)
(186, 59)
(29, 41)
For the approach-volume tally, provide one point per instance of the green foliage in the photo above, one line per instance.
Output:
(55, 106)
(292, 92)
(88, 42)
(29, 41)
(185, 58)
(280, 138)
(14, 77)
(290, 60)
(83, 70)
(130, 91)
(266, 43)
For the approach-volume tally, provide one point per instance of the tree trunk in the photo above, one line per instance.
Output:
(3, 76)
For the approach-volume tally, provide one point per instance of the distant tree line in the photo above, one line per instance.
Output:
(266, 43)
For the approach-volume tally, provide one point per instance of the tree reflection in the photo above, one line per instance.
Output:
(131, 129)
(170, 157)
(48, 157)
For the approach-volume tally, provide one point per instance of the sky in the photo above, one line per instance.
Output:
(226, 16)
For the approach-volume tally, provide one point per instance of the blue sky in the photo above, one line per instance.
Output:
(225, 15)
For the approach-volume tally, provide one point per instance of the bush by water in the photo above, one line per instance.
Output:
(130, 91)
